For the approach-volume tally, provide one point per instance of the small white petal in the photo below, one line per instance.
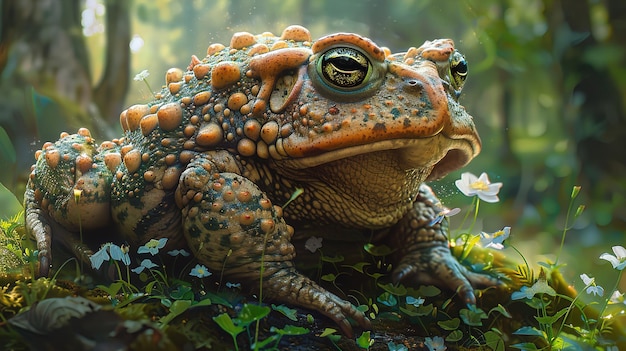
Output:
(586, 279)
(608, 257)
(620, 252)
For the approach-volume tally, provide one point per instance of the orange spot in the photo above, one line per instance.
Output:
(236, 100)
(209, 135)
(170, 116)
(214, 48)
(201, 98)
(201, 71)
(296, 33)
(241, 40)
(173, 75)
(224, 74)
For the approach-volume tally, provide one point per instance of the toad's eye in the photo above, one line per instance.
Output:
(458, 70)
(344, 68)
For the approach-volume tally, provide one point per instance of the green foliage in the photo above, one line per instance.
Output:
(249, 314)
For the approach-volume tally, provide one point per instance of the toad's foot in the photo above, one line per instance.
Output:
(289, 286)
(435, 265)
(423, 253)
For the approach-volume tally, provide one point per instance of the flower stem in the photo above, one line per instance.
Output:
(606, 302)
(467, 214)
(565, 229)
(523, 258)
(475, 214)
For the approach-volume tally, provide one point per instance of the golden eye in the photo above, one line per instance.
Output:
(458, 70)
(344, 67)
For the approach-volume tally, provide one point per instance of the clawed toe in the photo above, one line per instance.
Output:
(438, 267)
(291, 287)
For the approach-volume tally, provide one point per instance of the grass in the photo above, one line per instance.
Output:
(537, 311)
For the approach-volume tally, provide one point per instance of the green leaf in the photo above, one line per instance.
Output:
(455, 336)
(182, 293)
(251, 313)
(472, 316)
(494, 340)
(7, 151)
(532, 331)
(334, 259)
(327, 332)
(451, 324)
(412, 311)
(329, 277)
(112, 289)
(148, 288)
(526, 346)
(549, 320)
(9, 204)
(226, 323)
(500, 309)
(286, 311)
(364, 341)
(177, 308)
(378, 250)
(261, 344)
(290, 330)
(469, 244)
(218, 299)
(427, 291)
(387, 299)
(358, 267)
(398, 290)
(204, 302)
(375, 275)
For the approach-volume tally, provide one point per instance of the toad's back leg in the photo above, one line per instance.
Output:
(232, 226)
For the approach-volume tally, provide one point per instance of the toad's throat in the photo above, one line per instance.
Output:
(439, 153)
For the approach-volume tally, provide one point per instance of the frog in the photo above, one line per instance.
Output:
(211, 162)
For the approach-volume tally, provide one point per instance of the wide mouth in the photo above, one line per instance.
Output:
(439, 153)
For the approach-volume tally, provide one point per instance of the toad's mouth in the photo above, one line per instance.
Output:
(439, 153)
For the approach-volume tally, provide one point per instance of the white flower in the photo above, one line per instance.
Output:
(471, 185)
(619, 260)
(617, 297)
(100, 256)
(120, 253)
(496, 239)
(435, 343)
(142, 75)
(445, 213)
(417, 302)
(590, 283)
(146, 263)
(313, 243)
(181, 252)
(540, 287)
(153, 246)
(200, 271)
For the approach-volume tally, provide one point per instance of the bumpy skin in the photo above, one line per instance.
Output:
(207, 162)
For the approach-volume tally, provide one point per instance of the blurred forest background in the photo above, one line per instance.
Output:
(546, 86)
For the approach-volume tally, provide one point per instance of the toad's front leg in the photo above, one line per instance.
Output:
(232, 226)
(67, 195)
(424, 255)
